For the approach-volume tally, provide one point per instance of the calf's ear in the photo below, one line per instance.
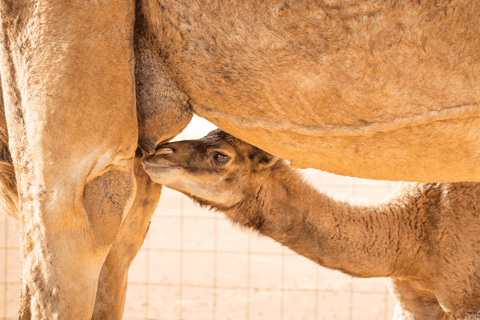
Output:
(266, 160)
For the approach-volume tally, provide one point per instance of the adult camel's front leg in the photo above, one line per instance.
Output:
(67, 75)
(112, 284)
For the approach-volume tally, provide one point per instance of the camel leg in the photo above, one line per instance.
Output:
(163, 112)
(413, 304)
(67, 75)
(112, 284)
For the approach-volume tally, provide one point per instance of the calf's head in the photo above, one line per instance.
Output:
(217, 170)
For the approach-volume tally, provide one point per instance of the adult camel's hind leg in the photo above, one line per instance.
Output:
(112, 284)
(163, 112)
(67, 76)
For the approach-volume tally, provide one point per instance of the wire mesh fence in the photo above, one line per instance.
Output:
(10, 269)
(195, 265)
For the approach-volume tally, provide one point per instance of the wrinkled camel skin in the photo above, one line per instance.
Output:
(162, 109)
(374, 89)
(425, 238)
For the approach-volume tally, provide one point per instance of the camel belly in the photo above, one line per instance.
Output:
(439, 151)
(373, 91)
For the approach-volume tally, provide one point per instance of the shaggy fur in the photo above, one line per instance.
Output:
(358, 88)
(425, 238)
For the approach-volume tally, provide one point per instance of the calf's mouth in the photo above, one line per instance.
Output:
(159, 159)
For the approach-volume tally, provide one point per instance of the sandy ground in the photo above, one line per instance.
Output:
(196, 265)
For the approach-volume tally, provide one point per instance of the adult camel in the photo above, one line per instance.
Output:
(374, 89)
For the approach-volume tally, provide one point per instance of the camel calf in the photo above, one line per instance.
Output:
(425, 238)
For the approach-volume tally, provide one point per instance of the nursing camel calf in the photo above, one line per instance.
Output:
(425, 238)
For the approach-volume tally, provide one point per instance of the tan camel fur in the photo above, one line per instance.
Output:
(425, 238)
(385, 89)
(67, 170)
(381, 89)
(112, 283)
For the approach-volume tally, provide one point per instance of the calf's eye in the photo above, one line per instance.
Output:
(220, 158)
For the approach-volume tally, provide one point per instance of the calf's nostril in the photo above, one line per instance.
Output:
(163, 151)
